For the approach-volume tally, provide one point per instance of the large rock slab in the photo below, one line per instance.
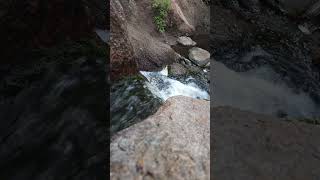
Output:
(250, 146)
(190, 16)
(171, 144)
(199, 56)
(122, 60)
(151, 49)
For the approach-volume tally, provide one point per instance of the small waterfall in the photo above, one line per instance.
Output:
(135, 98)
(164, 87)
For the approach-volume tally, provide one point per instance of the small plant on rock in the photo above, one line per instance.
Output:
(161, 8)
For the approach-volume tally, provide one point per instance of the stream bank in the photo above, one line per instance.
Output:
(265, 62)
(136, 97)
(171, 144)
(138, 50)
(265, 71)
(158, 132)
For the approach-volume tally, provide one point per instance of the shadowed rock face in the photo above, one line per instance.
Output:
(122, 60)
(267, 39)
(53, 121)
(136, 40)
(249, 146)
(40, 23)
(53, 106)
(246, 145)
(171, 144)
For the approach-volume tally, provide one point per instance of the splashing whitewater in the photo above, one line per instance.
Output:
(164, 87)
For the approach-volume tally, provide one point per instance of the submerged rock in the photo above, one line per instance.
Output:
(199, 56)
(174, 143)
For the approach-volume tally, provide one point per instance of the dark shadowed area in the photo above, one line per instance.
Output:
(53, 102)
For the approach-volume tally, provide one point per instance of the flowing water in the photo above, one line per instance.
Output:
(134, 99)
(260, 90)
(130, 102)
(164, 87)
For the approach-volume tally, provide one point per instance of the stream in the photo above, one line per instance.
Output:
(260, 90)
(135, 98)
(164, 87)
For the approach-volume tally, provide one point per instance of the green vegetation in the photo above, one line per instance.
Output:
(161, 8)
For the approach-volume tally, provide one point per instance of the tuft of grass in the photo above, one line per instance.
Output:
(161, 8)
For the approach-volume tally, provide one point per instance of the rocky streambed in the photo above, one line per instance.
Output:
(160, 120)
(264, 64)
(265, 61)
(136, 97)
(161, 124)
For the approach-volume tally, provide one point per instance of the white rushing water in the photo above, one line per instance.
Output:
(164, 87)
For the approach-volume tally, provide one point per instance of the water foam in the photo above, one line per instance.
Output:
(164, 87)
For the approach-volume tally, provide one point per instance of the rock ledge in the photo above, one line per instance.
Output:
(174, 143)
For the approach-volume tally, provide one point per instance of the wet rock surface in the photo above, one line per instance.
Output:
(177, 69)
(259, 90)
(53, 119)
(249, 146)
(171, 144)
(53, 95)
(199, 56)
(186, 41)
(130, 102)
(191, 71)
(249, 40)
(251, 47)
